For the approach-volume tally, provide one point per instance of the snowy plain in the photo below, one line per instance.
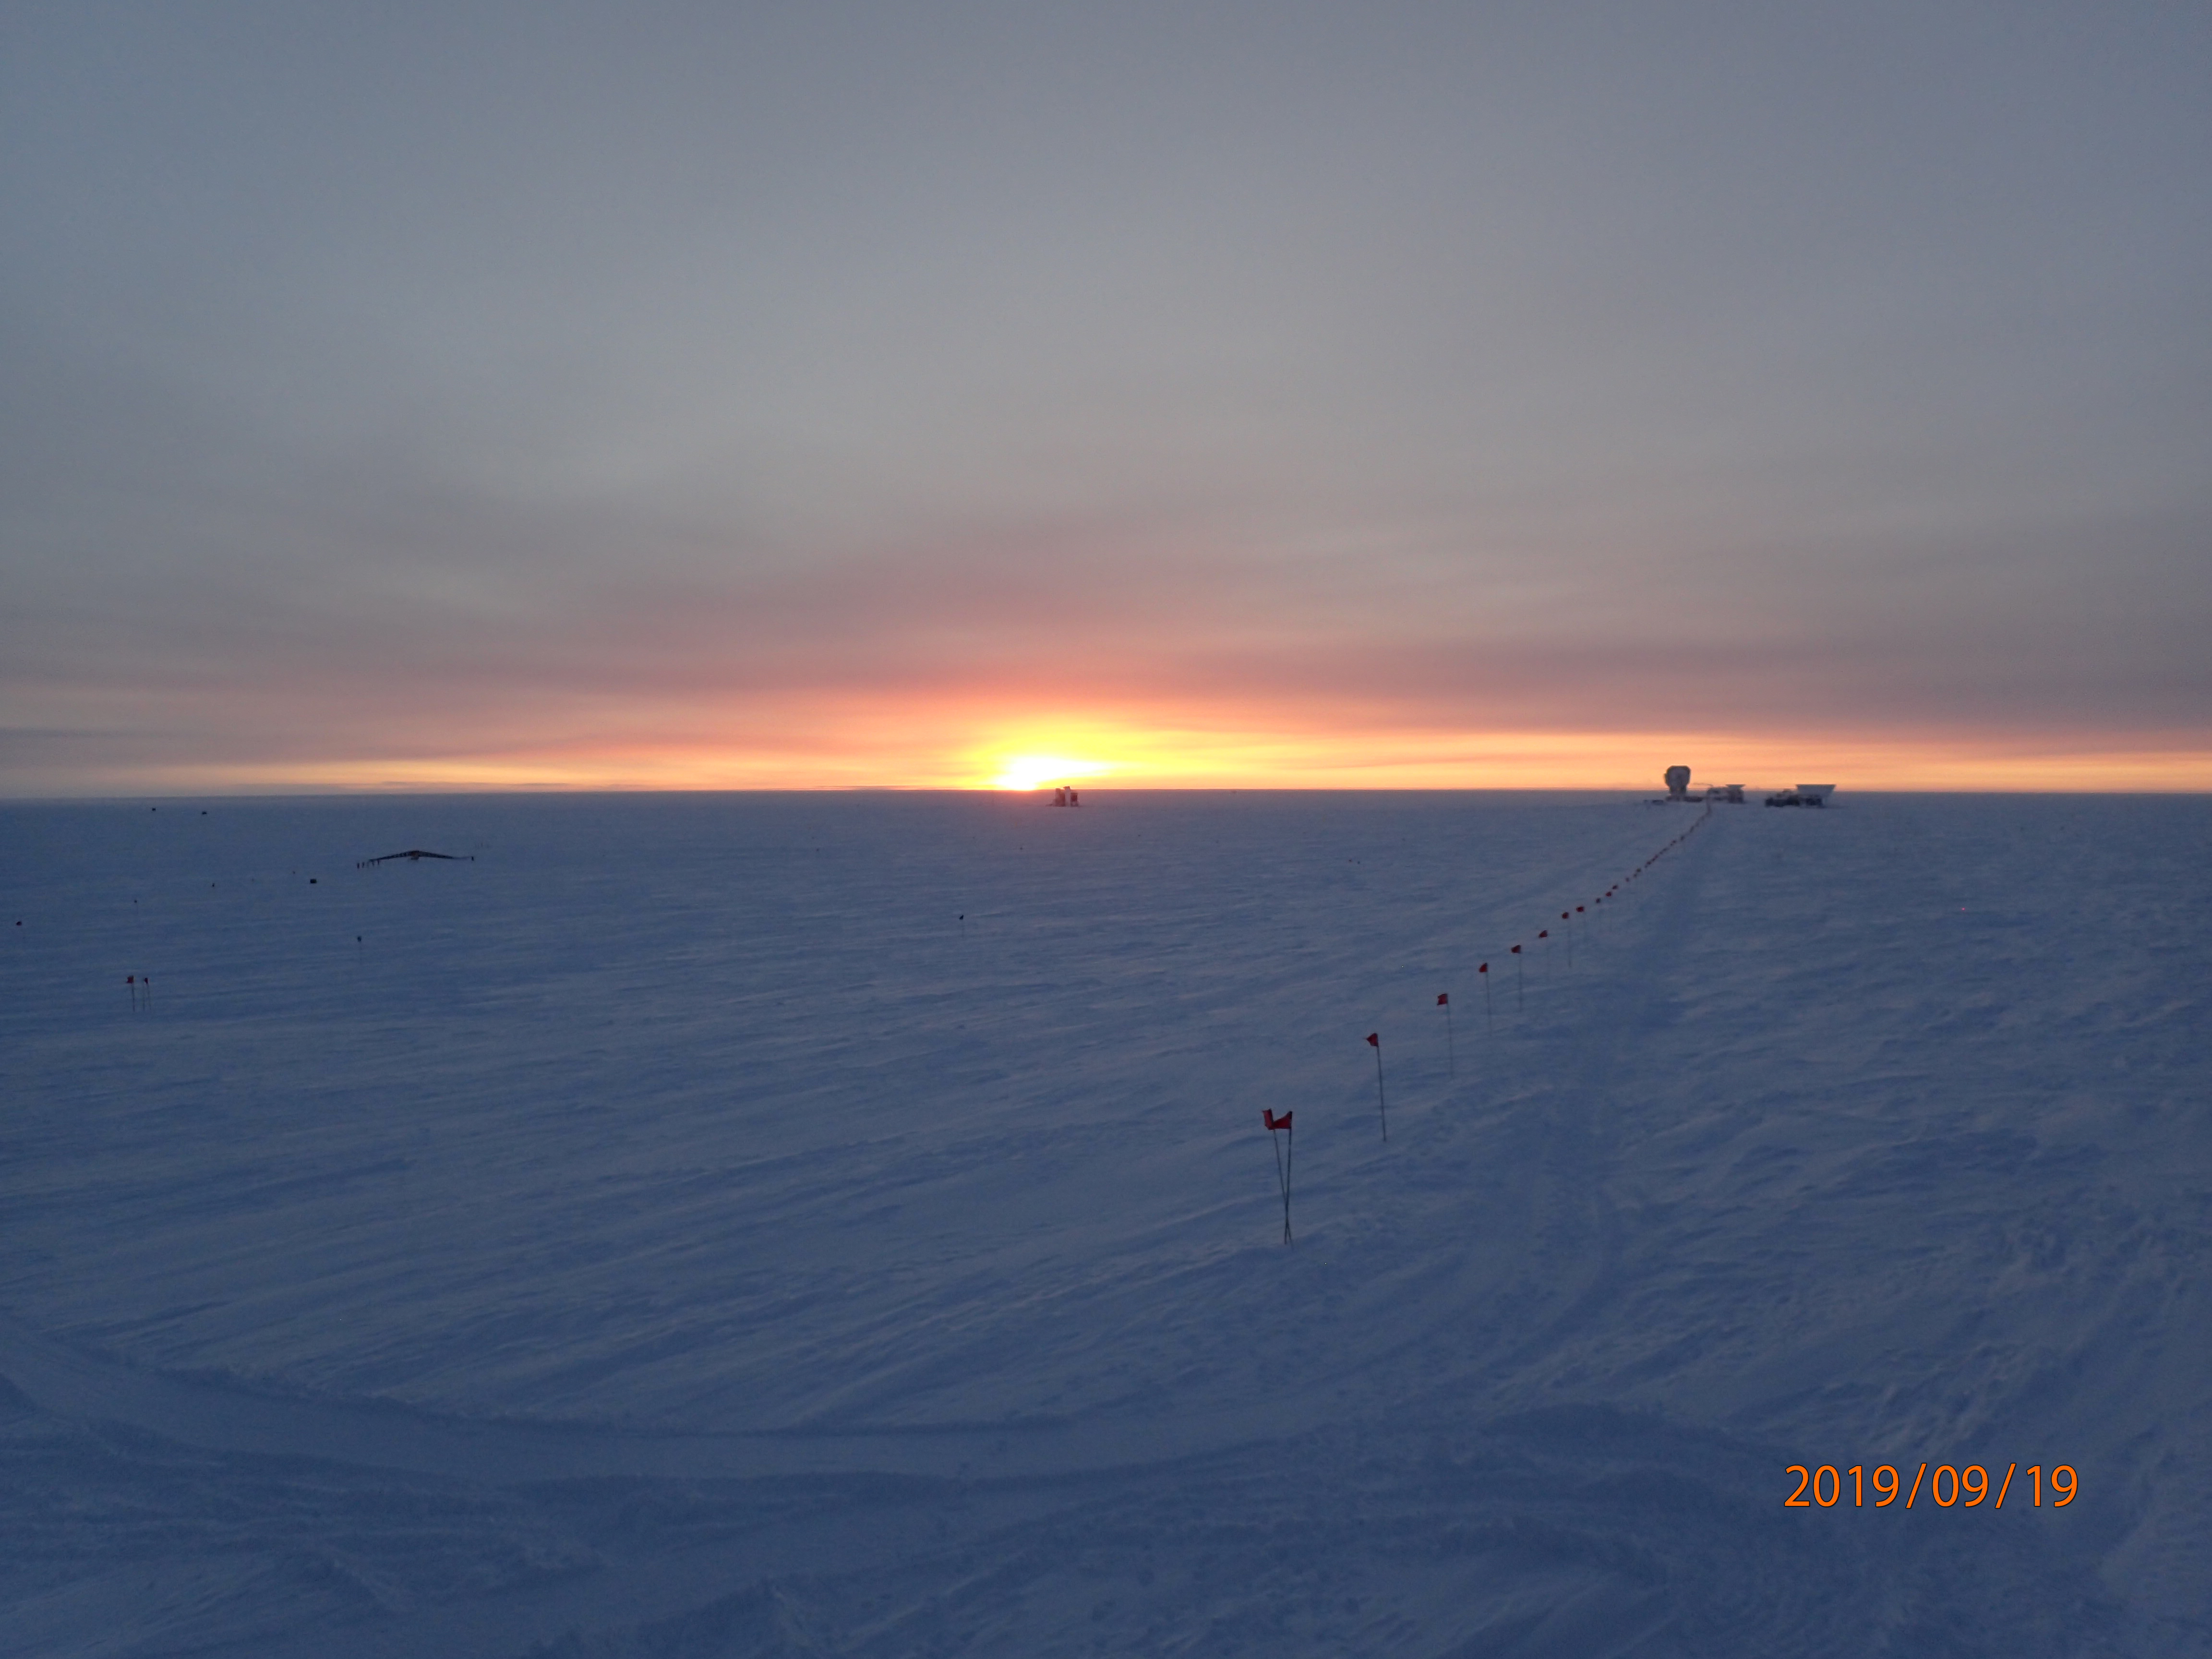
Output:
(842, 1224)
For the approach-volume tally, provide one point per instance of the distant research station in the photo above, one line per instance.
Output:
(1802, 794)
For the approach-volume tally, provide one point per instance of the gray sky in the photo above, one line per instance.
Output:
(560, 391)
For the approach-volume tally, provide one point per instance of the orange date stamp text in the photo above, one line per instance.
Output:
(1827, 1486)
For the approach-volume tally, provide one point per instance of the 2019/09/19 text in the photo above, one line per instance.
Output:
(1827, 1486)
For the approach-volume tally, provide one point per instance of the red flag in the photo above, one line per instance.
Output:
(1274, 1122)
(1517, 950)
(1563, 915)
(1374, 1039)
(1483, 968)
(1543, 933)
(1442, 997)
(1578, 910)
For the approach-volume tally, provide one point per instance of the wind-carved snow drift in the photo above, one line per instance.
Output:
(725, 1247)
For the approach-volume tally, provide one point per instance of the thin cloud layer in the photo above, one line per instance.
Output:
(569, 399)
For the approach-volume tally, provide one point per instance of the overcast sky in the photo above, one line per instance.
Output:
(781, 395)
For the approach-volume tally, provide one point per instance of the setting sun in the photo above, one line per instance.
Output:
(1034, 771)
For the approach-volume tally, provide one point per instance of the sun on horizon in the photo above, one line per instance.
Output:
(1037, 771)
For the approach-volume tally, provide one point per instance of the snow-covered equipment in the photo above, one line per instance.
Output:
(416, 855)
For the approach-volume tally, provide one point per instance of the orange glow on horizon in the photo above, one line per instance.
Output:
(960, 749)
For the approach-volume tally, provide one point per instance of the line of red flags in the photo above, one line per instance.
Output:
(1443, 1000)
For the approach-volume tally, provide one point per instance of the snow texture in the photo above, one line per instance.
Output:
(844, 1224)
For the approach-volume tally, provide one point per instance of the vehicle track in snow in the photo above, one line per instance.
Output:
(1581, 1220)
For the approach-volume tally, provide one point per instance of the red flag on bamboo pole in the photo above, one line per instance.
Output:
(1451, 1044)
(1282, 1163)
(1381, 1105)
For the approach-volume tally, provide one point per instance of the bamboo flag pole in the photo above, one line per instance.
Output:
(1283, 1165)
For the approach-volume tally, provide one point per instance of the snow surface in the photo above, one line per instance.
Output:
(679, 1232)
